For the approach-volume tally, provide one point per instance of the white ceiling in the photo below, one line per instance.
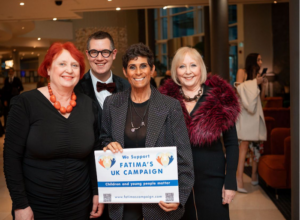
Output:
(11, 10)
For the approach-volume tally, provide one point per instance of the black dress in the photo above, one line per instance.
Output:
(136, 112)
(48, 159)
(210, 168)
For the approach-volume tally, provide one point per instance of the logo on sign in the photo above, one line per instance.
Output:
(107, 161)
(164, 159)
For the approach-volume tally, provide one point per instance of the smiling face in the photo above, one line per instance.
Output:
(189, 72)
(64, 71)
(138, 73)
(100, 65)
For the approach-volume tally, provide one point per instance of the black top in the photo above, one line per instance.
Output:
(48, 159)
(136, 111)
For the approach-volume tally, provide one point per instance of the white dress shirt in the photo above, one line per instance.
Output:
(104, 93)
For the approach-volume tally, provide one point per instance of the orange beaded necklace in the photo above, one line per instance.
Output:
(57, 105)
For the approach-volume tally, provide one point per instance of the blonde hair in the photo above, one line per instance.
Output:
(179, 57)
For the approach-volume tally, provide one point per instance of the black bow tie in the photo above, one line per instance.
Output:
(103, 86)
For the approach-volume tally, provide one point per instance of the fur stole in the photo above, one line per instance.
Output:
(216, 114)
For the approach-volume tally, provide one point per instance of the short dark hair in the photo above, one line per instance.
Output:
(99, 35)
(138, 50)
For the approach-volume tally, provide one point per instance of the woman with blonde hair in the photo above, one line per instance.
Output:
(210, 108)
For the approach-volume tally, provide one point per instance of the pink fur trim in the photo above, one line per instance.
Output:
(216, 114)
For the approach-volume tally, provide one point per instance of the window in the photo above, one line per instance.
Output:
(233, 33)
(232, 14)
(178, 10)
(164, 28)
(183, 24)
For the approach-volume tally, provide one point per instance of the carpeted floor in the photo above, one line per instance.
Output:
(283, 202)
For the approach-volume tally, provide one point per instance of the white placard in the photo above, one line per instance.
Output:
(138, 175)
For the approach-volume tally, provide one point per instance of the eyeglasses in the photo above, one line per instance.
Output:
(104, 53)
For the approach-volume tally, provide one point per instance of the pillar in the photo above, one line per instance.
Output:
(218, 14)
(294, 83)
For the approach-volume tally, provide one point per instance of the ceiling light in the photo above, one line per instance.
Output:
(34, 46)
(165, 7)
(118, 9)
(23, 28)
(275, 2)
(54, 19)
(109, 0)
(14, 50)
(22, 3)
(39, 38)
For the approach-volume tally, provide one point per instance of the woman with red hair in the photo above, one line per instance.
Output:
(49, 144)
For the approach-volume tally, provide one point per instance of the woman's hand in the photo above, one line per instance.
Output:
(97, 209)
(24, 214)
(168, 207)
(259, 79)
(115, 147)
(227, 195)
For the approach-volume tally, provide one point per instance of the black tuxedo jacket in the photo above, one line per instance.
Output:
(166, 127)
(85, 86)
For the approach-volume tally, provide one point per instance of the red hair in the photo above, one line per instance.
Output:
(54, 51)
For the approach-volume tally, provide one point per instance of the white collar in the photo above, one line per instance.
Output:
(95, 79)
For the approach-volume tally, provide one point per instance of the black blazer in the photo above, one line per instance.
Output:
(85, 85)
(166, 127)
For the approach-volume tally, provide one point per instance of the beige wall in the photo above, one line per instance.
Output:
(126, 18)
(258, 32)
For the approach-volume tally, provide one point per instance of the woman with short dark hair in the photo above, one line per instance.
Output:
(147, 119)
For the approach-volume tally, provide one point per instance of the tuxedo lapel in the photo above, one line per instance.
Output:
(87, 86)
(156, 117)
(119, 112)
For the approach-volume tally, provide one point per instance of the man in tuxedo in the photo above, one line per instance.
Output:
(99, 82)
